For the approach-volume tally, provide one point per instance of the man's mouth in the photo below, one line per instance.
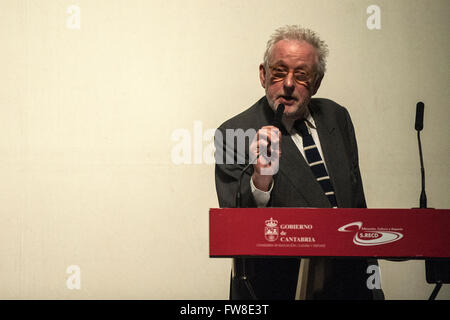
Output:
(287, 99)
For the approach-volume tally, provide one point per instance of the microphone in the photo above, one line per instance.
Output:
(419, 126)
(419, 116)
(239, 264)
(278, 115)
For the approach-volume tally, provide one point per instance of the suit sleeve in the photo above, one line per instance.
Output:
(227, 172)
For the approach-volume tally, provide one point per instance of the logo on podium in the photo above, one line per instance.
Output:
(371, 236)
(271, 230)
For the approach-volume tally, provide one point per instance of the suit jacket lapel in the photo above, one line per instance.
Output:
(295, 168)
(333, 151)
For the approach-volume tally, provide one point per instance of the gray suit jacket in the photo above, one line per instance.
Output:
(296, 186)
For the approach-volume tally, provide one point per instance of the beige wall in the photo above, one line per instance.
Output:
(89, 117)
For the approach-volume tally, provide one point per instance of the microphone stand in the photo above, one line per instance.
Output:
(437, 270)
(240, 264)
(423, 196)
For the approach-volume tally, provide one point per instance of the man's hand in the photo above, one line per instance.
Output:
(265, 146)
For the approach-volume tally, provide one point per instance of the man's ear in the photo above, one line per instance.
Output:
(262, 75)
(316, 85)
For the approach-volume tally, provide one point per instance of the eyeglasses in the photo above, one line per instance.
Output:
(279, 73)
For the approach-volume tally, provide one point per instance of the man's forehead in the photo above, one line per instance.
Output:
(293, 49)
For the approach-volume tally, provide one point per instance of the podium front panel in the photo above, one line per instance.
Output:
(307, 232)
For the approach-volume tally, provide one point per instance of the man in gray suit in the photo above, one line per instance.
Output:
(284, 174)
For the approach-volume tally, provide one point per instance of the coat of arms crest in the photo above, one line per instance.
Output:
(271, 230)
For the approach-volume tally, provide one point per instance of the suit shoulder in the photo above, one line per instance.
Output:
(328, 108)
(326, 104)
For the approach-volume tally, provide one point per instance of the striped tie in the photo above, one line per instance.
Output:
(315, 162)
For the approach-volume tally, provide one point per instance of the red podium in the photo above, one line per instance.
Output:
(306, 232)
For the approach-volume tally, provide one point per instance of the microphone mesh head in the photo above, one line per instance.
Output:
(278, 116)
(419, 116)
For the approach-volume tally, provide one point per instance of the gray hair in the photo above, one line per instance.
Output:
(294, 32)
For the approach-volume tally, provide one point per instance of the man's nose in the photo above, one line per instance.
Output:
(289, 82)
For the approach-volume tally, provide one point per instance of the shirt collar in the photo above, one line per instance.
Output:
(309, 122)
